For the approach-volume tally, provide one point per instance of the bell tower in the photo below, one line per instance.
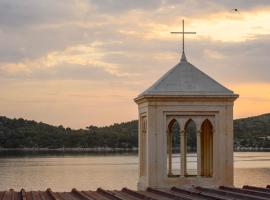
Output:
(185, 130)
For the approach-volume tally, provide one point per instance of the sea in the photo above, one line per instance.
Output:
(88, 171)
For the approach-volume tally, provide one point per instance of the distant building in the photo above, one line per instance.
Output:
(265, 137)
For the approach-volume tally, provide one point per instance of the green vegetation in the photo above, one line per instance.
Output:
(252, 131)
(20, 133)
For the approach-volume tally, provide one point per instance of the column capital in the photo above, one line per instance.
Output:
(182, 132)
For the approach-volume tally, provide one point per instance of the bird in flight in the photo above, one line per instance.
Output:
(236, 10)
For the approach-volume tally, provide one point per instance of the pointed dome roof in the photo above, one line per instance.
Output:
(184, 79)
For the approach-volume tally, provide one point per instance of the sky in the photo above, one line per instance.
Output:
(82, 62)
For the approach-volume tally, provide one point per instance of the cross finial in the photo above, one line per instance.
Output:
(183, 58)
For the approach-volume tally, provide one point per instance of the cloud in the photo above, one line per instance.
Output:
(236, 62)
(184, 7)
(77, 60)
(125, 5)
(25, 13)
(90, 51)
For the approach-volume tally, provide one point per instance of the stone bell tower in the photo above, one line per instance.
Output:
(183, 96)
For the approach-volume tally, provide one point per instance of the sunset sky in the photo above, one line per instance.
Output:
(81, 62)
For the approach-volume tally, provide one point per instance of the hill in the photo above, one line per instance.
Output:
(252, 131)
(21, 133)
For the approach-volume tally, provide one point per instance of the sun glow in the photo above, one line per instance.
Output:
(222, 26)
(254, 99)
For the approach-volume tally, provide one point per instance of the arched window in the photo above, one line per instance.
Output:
(173, 149)
(191, 147)
(207, 149)
(142, 144)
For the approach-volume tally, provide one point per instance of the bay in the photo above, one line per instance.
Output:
(88, 171)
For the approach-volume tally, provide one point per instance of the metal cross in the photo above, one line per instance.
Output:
(183, 33)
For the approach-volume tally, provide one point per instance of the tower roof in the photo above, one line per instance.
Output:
(184, 79)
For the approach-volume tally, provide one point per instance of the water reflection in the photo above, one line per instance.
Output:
(85, 171)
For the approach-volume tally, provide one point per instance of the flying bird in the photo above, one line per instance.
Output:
(236, 10)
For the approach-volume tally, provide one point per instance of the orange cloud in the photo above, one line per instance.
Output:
(228, 26)
(84, 55)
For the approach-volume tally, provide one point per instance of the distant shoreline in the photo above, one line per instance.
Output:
(98, 149)
(107, 149)
(251, 149)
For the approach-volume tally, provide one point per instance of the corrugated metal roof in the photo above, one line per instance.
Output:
(196, 193)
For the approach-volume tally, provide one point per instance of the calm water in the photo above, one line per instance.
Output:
(88, 171)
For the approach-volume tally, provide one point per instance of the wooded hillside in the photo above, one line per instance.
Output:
(20, 133)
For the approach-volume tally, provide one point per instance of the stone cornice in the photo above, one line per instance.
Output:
(186, 98)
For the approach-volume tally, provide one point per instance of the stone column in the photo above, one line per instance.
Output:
(183, 153)
(211, 152)
(199, 158)
(169, 135)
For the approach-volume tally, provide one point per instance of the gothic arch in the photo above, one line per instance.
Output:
(173, 146)
(191, 147)
(171, 123)
(207, 148)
